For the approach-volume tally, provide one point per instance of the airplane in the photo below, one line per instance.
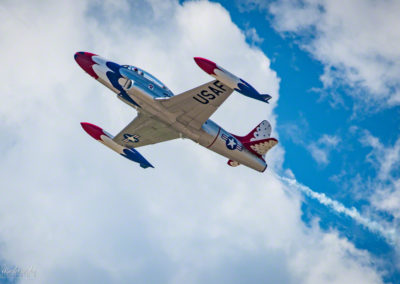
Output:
(163, 116)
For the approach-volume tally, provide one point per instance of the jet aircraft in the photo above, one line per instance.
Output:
(163, 116)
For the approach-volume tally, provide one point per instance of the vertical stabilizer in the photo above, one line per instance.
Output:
(258, 140)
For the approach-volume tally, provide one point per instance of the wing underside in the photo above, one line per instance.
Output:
(194, 107)
(144, 130)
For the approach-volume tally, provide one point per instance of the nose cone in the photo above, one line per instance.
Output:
(84, 59)
(205, 64)
(93, 130)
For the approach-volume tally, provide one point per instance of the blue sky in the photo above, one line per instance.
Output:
(306, 112)
(70, 207)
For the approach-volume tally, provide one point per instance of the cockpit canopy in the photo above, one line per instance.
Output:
(151, 78)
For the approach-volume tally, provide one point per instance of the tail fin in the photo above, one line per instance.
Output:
(258, 140)
(261, 131)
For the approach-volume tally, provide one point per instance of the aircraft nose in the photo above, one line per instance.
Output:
(85, 61)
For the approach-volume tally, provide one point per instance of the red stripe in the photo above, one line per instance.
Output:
(219, 130)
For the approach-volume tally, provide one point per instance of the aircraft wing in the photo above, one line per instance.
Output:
(144, 130)
(194, 107)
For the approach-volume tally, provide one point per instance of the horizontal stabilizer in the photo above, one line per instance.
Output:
(261, 147)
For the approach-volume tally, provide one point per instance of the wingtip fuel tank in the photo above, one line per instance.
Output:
(105, 138)
(230, 79)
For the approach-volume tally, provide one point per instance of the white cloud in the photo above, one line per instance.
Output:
(319, 155)
(355, 40)
(76, 212)
(386, 159)
(329, 140)
(320, 149)
(252, 34)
